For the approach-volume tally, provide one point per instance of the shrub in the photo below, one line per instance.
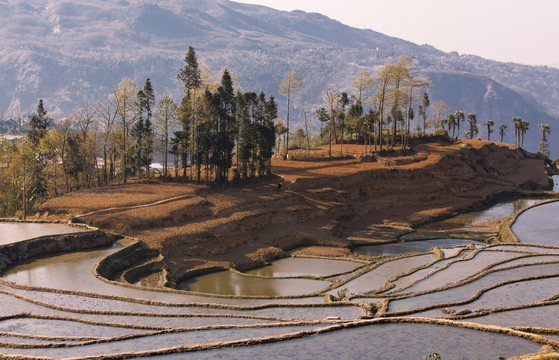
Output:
(19, 214)
(340, 295)
(433, 356)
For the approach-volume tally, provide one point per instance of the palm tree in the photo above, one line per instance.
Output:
(523, 130)
(543, 147)
(517, 123)
(460, 117)
(451, 122)
(545, 130)
(489, 124)
(502, 129)
(472, 121)
(443, 124)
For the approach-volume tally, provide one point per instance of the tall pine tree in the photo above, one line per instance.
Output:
(190, 73)
(190, 76)
(147, 104)
(39, 124)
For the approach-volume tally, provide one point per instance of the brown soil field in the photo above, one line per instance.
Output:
(325, 206)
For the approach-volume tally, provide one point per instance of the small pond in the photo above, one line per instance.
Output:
(14, 232)
(155, 280)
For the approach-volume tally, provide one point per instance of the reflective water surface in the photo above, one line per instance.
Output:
(375, 279)
(195, 319)
(228, 283)
(539, 225)
(14, 232)
(389, 341)
(497, 211)
(411, 246)
(156, 342)
(494, 298)
(290, 267)
(541, 316)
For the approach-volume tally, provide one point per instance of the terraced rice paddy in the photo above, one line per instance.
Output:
(14, 232)
(493, 296)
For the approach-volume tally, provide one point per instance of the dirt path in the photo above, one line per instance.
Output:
(124, 208)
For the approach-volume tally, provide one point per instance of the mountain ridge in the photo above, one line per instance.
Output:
(65, 51)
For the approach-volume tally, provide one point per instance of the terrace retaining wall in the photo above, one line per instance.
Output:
(51, 244)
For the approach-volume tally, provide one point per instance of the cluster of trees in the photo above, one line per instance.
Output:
(392, 95)
(214, 129)
(395, 99)
(79, 151)
(216, 132)
(218, 122)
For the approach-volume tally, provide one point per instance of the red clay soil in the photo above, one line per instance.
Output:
(334, 203)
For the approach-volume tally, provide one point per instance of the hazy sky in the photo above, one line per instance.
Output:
(523, 31)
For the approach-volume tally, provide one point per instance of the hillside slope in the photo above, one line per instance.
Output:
(335, 203)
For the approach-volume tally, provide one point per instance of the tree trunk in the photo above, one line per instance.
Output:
(287, 141)
(105, 177)
(124, 175)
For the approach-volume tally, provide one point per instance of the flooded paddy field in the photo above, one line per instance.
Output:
(388, 341)
(292, 267)
(538, 316)
(463, 291)
(228, 283)
(497, 211)
(16, 231)
(411, 246)
(538, 225)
